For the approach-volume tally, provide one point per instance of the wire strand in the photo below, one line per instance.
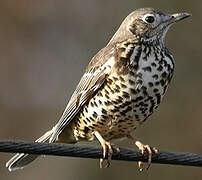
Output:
(126, 154)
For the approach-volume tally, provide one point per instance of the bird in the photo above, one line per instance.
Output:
(123, 84)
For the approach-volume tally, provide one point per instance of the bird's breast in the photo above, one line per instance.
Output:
(128, 97)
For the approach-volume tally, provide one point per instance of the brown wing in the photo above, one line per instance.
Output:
(90, 82)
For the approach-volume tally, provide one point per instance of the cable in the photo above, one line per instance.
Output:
(175, 158)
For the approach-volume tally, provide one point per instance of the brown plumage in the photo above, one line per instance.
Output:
(122, 85)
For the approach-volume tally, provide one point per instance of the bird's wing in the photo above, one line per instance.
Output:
(94, 77)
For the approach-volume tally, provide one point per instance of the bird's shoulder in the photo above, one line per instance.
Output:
(116, 50)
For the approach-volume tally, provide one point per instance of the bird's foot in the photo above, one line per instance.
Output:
(144, 149)
(148, 150)
(107, 151)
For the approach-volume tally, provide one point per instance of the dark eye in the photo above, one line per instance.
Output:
(149, 19)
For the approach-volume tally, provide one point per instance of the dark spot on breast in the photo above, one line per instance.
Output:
(125, 94)
(122, 79)
(86, 130)
(131, 82)
(95, 115)
(164, 75)
(121, 121)
(155, 76)
(91, 119)
(111, 90)
(139, 81)
(120, 98)
(117, 101)
(109, 81)
(114, 110)
(107, 92)
(117, 90)
(161, 61)
(144, 88)
(133, 91)
(104, 111)
(131, 73)
(145, 93)
(108, 103)
(95, 103)
(115, 79)
(139, 98)
(135, 66)
(91, 103)
(82, 114)
(157, 83)
(129, 108)
(100, 102)
(87, 119)
(136, 117)
(162, 82)
(153, 64)
(165, 63)
(123, 113)
(100, 94)
(123, 85)
(117, 86)
(168, 67)
(138, 75)
(127, 103)
(141, 104)
(150, 84)
(100, 123)
(155, 90)
(85, 122)
(107, 96)
(148, 68)
(160, 68)
(103, 117)
(141, 109)
(86, 109)
(121, 106)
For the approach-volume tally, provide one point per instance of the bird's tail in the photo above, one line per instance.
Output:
(20, 160)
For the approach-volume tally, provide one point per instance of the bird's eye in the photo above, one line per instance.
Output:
(149, 18)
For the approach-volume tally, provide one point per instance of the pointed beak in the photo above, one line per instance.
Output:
(178, 17)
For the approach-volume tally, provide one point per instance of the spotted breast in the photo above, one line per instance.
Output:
(139, 77)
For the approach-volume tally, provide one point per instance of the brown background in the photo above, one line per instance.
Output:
(44, 47)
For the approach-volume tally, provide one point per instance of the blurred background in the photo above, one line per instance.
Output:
(44, 48)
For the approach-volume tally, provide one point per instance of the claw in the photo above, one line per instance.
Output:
(144, 149)
(107, 153)
(107, 150)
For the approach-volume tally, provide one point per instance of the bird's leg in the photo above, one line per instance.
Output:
(144, 149)
(107, 149)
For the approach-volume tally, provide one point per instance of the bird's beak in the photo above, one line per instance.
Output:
(178, 17)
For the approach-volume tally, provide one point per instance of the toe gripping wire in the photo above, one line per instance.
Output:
(163, 157)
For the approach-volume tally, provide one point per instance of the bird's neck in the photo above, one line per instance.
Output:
(153, 41)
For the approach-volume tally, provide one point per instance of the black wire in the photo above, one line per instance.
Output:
(177, 158)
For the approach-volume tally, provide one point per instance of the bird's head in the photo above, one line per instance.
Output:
(148, 24)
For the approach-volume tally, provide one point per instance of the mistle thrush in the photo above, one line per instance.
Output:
(122, 86)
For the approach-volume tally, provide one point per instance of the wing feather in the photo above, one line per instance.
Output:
(91, 81)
